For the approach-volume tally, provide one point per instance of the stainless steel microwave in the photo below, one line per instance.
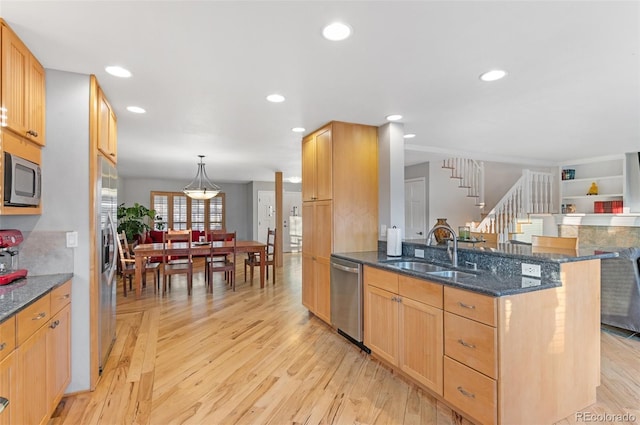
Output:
(22, 181)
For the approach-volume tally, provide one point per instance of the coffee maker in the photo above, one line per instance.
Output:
(10, 240)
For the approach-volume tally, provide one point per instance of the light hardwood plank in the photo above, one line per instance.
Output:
(256, 356)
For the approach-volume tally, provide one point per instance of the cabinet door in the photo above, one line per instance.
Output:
(36, 103)
(381, 323)
(8, 390)
(113, 136)
(323, 289)
(104, 114)
(15, 63)
(308, 169)
(59, 355)
(421, 343)
(308, 282)
(324, 165)
(32, 367)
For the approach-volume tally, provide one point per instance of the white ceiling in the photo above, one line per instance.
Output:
(202, 70)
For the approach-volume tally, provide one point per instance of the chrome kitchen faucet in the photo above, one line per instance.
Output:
(453, 255)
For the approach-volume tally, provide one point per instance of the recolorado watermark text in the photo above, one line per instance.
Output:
(605, 417)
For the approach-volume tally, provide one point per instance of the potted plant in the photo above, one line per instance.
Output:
(135, 220)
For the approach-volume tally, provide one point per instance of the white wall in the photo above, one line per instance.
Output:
(447, 200)
(252, 200)
(238, 215)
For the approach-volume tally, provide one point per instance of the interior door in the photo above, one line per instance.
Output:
(415, 211)
(266, 213)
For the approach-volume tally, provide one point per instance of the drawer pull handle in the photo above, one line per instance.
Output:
(40, 316)
(3, 346)
(54, 324)
(466, 344)
(469, 306)
(466, 393)
(64, 297)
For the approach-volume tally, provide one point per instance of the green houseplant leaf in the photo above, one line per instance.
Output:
(135, 220)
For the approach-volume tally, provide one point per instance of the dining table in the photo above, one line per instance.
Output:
(198, 249)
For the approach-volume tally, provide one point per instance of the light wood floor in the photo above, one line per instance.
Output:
(256, 356)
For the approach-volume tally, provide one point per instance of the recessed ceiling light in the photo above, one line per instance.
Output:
(409, 136)
(275, 98)
(394, 117)
(118, 71)
(136, 109)
(295, 179)
(493, 75)
(298, 129)
(336, 31)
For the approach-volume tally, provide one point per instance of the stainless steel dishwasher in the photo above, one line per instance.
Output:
(346, 300)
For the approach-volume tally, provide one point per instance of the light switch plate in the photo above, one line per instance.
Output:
(72, 239)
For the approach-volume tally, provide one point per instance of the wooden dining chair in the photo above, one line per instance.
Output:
(128, 265)
(222, 259)
(490, 239)
(253, 258)
(176, 261)
(554, 245)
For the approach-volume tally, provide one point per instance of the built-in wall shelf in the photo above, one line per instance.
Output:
(608, 173)
(622, 220)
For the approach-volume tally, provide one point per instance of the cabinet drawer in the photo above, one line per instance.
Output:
(421, 290)
(471, 343)
(470, 391)
(381, 279)
(60, 297)
(7, 337)
(32, 318)
(481, 308)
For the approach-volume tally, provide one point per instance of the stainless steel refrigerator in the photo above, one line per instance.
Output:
(106, 221)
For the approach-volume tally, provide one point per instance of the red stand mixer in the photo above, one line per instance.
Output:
(9, 241)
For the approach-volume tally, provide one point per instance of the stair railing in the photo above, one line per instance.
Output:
(471, 175)
(531, 194)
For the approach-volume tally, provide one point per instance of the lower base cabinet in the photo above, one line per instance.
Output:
(9, 389)
(529, 358)
(42, 357)
(403, 324)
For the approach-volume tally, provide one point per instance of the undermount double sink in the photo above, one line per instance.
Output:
(430, 269)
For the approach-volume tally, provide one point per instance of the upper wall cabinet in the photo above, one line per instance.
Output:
(317, 166)
(106, 124)
(23, 89)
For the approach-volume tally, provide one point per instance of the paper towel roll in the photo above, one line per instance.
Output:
(394, 242)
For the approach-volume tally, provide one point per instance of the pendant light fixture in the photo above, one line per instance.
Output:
(201, 187)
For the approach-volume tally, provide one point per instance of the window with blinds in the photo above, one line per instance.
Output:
(177, 211)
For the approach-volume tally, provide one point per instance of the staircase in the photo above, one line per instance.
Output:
(531, 194)
(471, 176)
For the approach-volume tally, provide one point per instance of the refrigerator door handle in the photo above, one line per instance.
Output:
(112, 260)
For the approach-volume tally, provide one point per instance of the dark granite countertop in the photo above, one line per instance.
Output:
(498, 275)
(19, 294)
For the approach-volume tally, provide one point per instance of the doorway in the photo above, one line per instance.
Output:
(415, 210)
(292, 218)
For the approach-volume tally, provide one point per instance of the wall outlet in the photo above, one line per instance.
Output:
(72, 239)
(531, 270)
(419, 253)
(530, 281)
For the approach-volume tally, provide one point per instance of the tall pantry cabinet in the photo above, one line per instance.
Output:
(340, 203)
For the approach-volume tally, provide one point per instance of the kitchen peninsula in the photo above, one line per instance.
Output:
(497, 346)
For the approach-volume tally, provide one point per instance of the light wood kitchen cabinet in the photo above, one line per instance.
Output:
(9, 388)
(8, 370)
(107, 127)
(22, 89)
(317, 166)
(43, 355)
(340, 203)
(59, 344)
(316, 253)
(404, 324)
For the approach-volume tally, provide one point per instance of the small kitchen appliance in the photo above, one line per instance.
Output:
(10, 240)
